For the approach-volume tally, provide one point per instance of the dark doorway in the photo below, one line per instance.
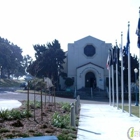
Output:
(90, 80)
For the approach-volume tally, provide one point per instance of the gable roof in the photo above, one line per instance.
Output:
(88, 37)
(90, 63)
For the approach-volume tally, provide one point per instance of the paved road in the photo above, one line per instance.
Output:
(11, 94)
(23, 96)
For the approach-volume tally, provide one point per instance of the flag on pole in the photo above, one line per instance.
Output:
(129, 69)
(115, 54)
(108, 64)
(138, 43)
(109, 60)
(122, 75)
(113, 99)
(138, 32)
(128, 42)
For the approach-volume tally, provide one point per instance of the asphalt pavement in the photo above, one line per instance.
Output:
(23, 96)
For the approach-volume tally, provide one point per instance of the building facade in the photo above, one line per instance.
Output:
(86, 63)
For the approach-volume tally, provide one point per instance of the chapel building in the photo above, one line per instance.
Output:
(86, 62)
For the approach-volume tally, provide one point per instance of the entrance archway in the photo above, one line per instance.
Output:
(90, 80)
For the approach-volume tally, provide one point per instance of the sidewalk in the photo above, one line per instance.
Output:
(9, 104)
(104, 122)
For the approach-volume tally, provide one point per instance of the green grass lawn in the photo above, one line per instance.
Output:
(31, 91)
(10, 83)
(134, 109)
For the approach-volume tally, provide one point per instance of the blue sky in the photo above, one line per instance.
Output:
(29, 22)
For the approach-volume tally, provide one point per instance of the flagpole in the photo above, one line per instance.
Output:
(113, 81)
(139, 62)
(109, 63)
(117, 98)
(139, 81)
(129, 75)
(109, 88)
(122, 79)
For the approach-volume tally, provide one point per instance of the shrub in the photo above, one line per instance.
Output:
(14, 114)
(61, 121)
(4, 130)
(65, 106)
(31, 104)
(4, 114)
(62, 137)
(25, 114)
(10, 135)
(69, 81)
(72, 135)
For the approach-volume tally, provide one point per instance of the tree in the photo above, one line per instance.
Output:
(27, 60)
(49, 60)
(134, 64)
(20, 71)
(10, 57)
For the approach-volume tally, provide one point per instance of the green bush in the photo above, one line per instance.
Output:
(69, 81)
(4, 130)
(37, 104)
(61, 121)
(10, 135)
(14, 114)
(25, 114)
(62, 137)
(66, 106)
(66, 136)
(4, 114)
(72, 135)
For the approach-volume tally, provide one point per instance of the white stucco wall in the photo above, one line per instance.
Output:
(98, 71)
(96, 64)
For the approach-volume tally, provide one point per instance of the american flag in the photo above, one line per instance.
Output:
(138, 31)
(128, 42)
(109, 60)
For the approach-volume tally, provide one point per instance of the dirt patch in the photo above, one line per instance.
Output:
(40, 125)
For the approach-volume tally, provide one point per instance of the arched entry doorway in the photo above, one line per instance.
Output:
(90, 80)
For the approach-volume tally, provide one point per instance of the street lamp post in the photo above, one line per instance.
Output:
(136, 93)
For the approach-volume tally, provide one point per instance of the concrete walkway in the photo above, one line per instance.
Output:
(9, 104)
(104, 122)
